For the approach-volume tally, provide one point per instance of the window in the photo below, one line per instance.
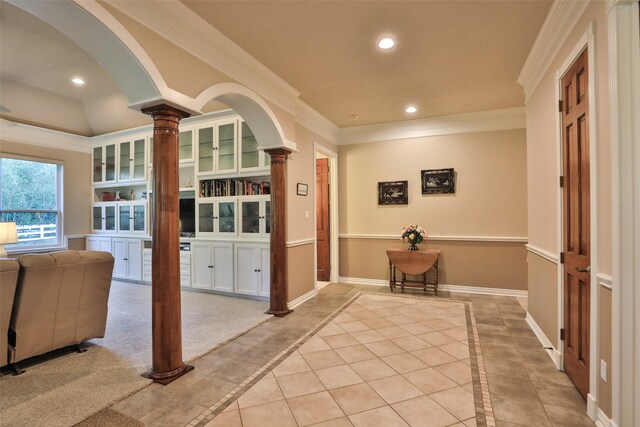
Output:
(30, 196)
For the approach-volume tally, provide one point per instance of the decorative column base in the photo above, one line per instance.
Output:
(279, 313)
(165, 378)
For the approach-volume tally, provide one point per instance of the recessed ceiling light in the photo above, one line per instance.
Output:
(411, 109)
(77, 81)
(386, 43)
(355, 117)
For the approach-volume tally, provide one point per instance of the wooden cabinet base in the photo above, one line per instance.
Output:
(165, 378)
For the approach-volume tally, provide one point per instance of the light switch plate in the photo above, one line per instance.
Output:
(306, 214)
(603, 370)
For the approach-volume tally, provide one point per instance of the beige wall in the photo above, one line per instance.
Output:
(542, 151)
(300, 270)
(491, 193)
(481, 264)
(543, 295)
(605, 349)
(490, 200)
(77, 182)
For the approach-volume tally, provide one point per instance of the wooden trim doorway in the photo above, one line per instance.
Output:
(332, 157)
(586, 42)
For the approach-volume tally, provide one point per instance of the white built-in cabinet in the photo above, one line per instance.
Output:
(255, 216)
(132, 217)
(212, 266)
(103, 218)
(217, 217)
(230, 252)
(128, 258)
(132, 161)
(104, 163)
(95, 243)
(252, 269)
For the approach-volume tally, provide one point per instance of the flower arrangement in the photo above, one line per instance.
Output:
(413, 234)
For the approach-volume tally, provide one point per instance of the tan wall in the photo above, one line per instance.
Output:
(491, 191)
(300, 270)
(543, 295)
(490, 200)
(604, 390)
(77, 182)
(482, 264)
(542, 149)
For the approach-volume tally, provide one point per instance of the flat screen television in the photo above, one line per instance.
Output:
(187, 217)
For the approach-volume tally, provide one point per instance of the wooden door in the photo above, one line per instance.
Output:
(322, 218)
(577, 239)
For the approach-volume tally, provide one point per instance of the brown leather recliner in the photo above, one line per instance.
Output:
(61, 300)
(9, 269)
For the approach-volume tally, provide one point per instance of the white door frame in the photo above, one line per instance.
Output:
(624, 94)
(333, 215)
(586, 42)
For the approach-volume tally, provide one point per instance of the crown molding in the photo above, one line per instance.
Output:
(316, 122)
(26, 134)
(557, 26)
(186, 29)
(482, 121)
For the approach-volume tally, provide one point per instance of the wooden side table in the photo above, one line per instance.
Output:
(414, 263)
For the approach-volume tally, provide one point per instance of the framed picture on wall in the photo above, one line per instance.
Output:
(393, 193)
(302, 189)
(438, 181)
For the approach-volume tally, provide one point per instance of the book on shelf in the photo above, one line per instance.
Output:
(233, 187)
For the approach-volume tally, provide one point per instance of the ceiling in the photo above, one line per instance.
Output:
(451, 57)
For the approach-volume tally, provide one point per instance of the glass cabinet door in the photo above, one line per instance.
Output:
(267, 216)
(139, 164)
(226, 217)
(110, 218)
(205, 217)
(139, 217)
(97, 218)
(205, 149)
(250, 217)
(110, 163)
(185, 145)
(250, 155)
(125, 163)
(227, 147)
(124, 216)
(266, 159)
(97, 164)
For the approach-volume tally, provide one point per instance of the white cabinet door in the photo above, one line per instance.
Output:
(99, 244)
(134, 259)
(247, 266)
(223, 267)
(265, 271)
(120, 255)
(201, 265)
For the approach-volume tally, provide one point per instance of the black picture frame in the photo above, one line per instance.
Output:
(393, 193)
(302, 189)
(438, 181)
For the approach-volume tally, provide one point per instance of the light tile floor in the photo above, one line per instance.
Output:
(384, 360)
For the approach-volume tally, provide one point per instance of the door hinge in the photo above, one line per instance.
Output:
(562, 181)
(561, 257)
(560, 105)
(562, 334)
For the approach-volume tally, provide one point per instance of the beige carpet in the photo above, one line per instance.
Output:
(67, 389)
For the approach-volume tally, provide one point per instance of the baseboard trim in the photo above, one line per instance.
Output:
(592, 407)
(301, 299)
(551, 350)
(603, 420)
(444, 287)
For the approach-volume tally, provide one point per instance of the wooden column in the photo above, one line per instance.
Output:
(165, 286)
(278, 299)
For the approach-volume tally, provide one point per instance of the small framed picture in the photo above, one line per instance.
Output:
(438, 181)
(393, 193)
(303, 189)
